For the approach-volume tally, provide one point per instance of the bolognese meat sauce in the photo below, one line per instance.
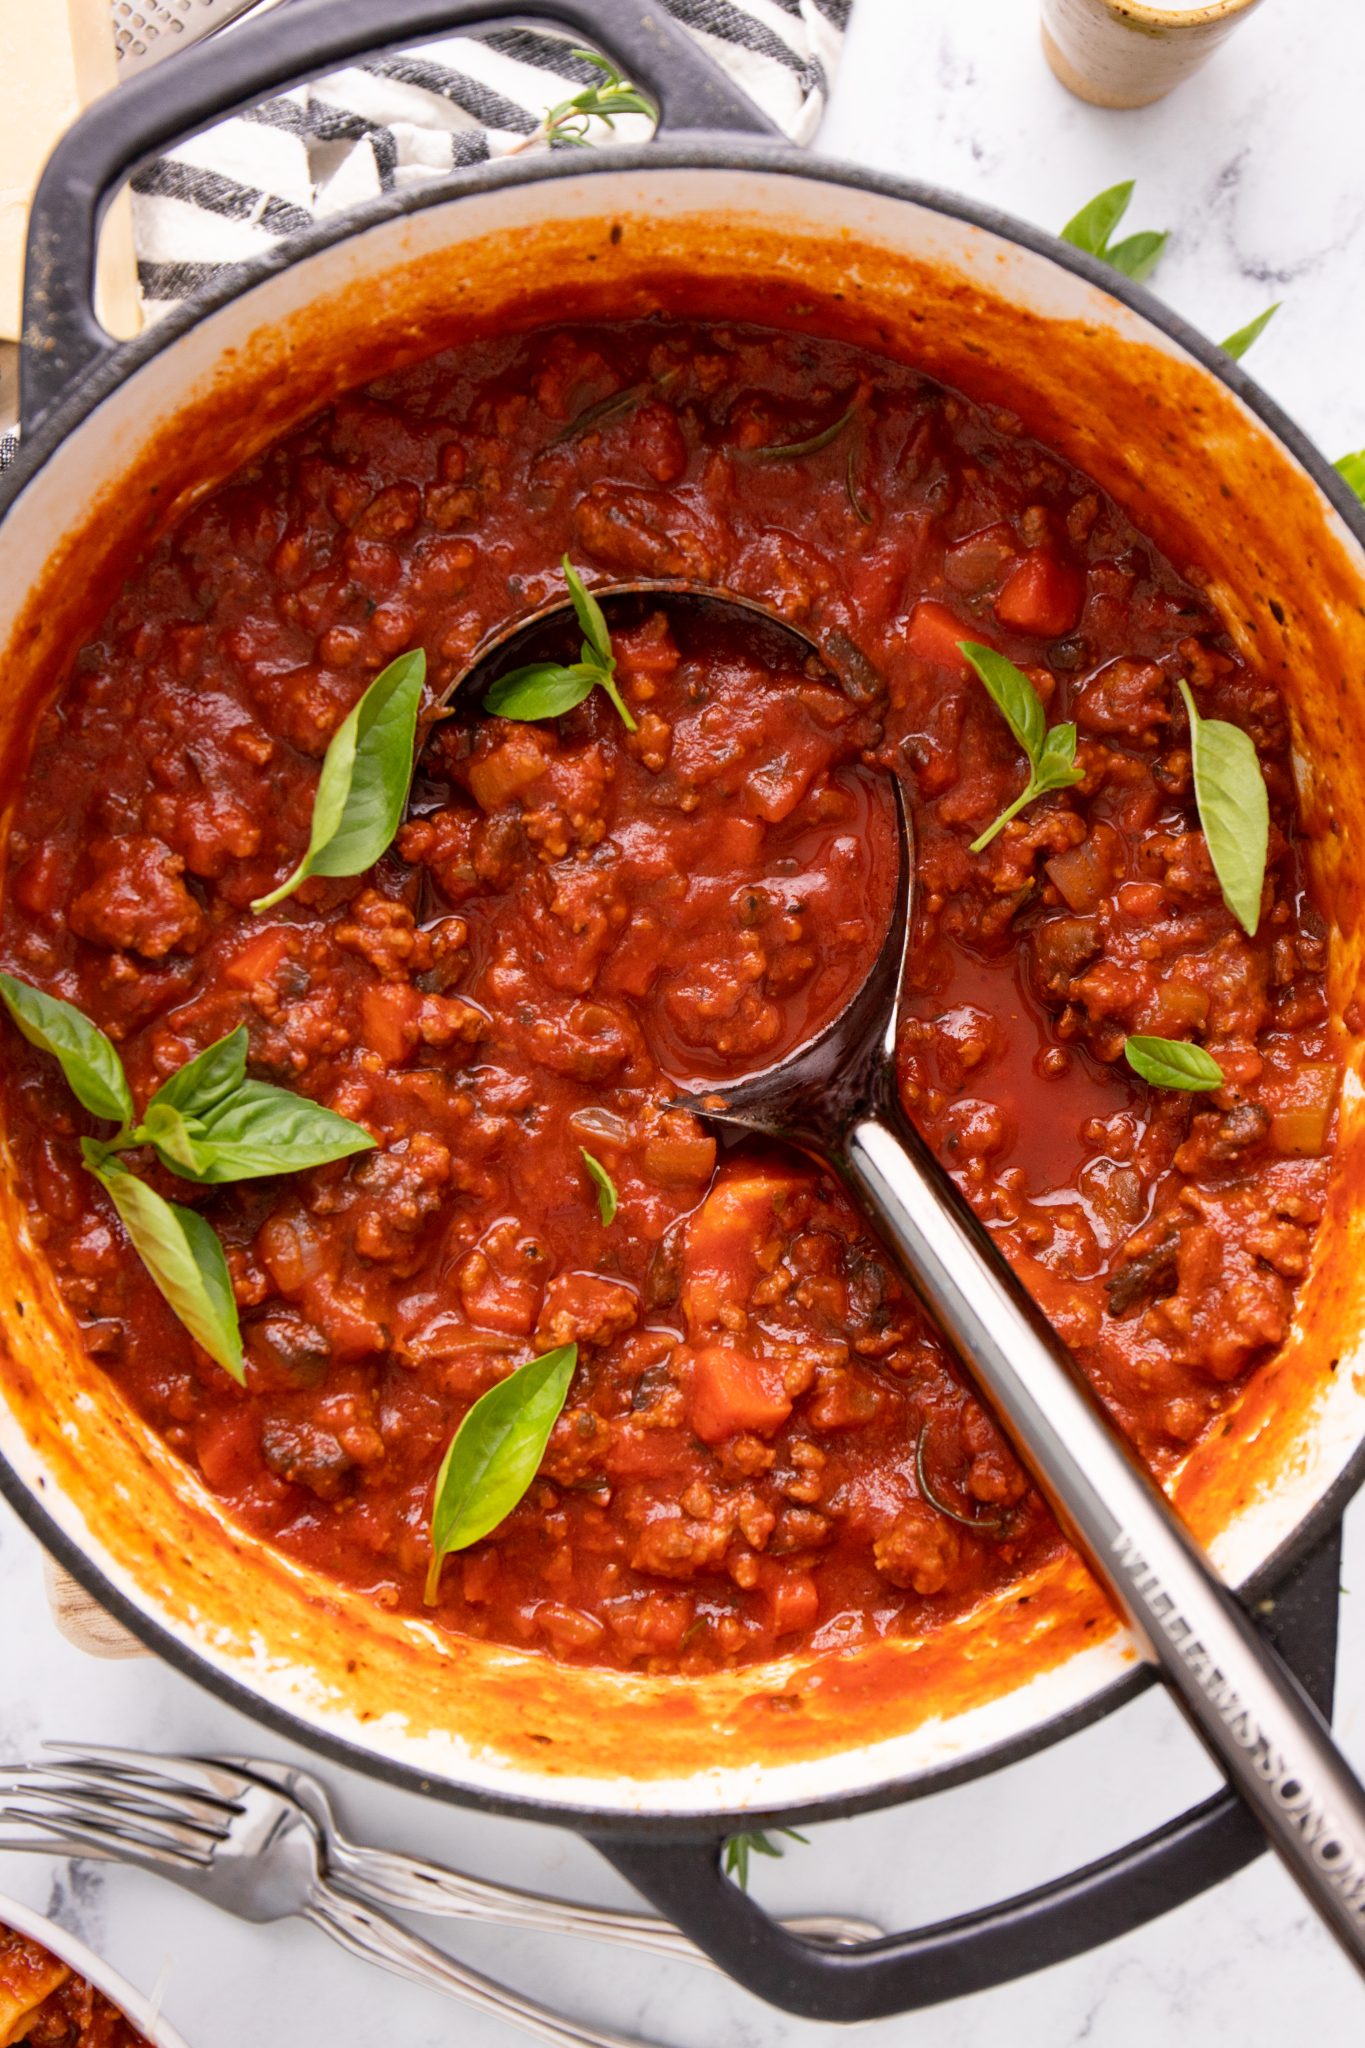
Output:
(764, 1446)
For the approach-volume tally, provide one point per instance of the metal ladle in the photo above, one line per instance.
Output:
(835, 1098)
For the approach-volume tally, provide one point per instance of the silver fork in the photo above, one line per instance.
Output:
(387, 1877)
(258, 1858)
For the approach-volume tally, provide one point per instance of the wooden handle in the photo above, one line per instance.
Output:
(83, 1621)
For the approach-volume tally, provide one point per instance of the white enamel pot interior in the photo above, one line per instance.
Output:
(1204, 465)
(144, 2014)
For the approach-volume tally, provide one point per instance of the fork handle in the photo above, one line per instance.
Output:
(415, 1886)
(366, 1932)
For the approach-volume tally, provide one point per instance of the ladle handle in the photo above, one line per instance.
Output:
(1250, 1710)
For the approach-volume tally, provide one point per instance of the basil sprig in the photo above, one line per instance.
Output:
(1237, 344)
(1352, 467)
(1173, 1063)
(208, 1123)
(364, 782)
(1090, 229)
(183, 1255)
(605, 1185)
(211, 1124)
(545, 689)
(1234, 810)
(1051, 750)
(495, 1454)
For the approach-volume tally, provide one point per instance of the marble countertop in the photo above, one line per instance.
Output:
(1255, 167)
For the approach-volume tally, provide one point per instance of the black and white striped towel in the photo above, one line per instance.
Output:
(226, 195)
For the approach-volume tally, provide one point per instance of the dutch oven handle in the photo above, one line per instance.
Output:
(992, 1946)
(63, 339)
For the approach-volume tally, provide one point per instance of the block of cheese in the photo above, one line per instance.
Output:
(55, 57)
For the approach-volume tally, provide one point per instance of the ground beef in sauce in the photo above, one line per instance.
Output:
(43, 2004)
(572, 911)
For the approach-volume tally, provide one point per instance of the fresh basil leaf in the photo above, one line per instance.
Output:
(1056, 767)
(261, 1130)
(94, 1072)
(1138, 256)
(364, 782)
(1013, 696)
(1237, 344)
(176, 1138)
(791, 449)
(1091, 228)
(603, 1182)
(184, 1258)
(495, 1454)
(205, 1080)
(547, 688)
(544, 689)
(1173, 1063)
(1352, 467)
(1234, 810)
(1051, 750)
(589, 615)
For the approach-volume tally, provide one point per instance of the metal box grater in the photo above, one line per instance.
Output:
(145, 31)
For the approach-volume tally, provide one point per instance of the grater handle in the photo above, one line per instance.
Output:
(63, 341)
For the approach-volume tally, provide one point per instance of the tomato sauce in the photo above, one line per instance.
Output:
(764, 1446)
(43, 2004)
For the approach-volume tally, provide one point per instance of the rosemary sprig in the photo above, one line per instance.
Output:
(567, 125)
(788, 450)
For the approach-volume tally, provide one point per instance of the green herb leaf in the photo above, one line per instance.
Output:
(260, 1130)
(566, 125)
(597, 640)
(547, 688)
(1237, 344)
(543, 689)
(1138, 256)
(1173, 1063)
(207, 1079)
(1352, 467)
(1234, 810)
(606, 1187)
(364, 782)
(1051, 751)
(176, 1138)
(754, 1842)
(495, 1454)
(1012, 694)
(211, 1124)
(1091, 228)
(790, 449)
(94, 1072)
(184, 1258)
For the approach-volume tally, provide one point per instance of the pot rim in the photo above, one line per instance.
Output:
(661, 155)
